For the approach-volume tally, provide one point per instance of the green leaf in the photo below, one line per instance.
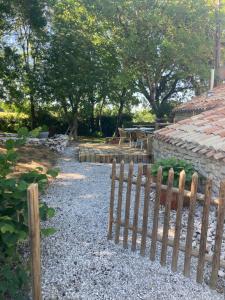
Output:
(50, 212)
(7, 228)
(10, 144)
(48, 231)
(23, 132)
(53, 172)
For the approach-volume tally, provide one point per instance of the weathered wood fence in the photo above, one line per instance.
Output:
(119, 217)
(34, 231)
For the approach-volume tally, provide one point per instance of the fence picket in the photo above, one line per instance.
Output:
(204, 229)
(145, 210)
(34, 231)
(164, 238)
(112, 199)
(156, 214)
(128, 200)
(190, 226)
(119, 204)
(136, 207)
(219, 236)
(167, 218)
(178, 220)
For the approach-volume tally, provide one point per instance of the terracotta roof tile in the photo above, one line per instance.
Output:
(203, 133)
(219, 155)
(205, 102)
(210, 153)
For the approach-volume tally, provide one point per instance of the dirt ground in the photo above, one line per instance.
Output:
(31, 157)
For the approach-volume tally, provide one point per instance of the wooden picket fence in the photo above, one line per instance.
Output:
(34, 232)
(122, 218)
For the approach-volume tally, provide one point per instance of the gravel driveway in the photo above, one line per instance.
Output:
(79, 263)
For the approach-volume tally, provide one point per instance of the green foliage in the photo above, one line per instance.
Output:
(73, 58)
(11, 121)
(143, 116)
(178, 166)
(14, 219)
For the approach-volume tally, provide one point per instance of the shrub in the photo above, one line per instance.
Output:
(14, 219)
(11, 122)
(178, 166)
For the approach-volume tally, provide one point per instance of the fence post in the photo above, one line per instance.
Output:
(156, 214)
(112, 199)
(190, 226)
(219, 236)
(145, 210)
(167, 218)
(119, 205)
(136, 207)
(180, 200)
(127, 209)
(204, 229)
(34, 231)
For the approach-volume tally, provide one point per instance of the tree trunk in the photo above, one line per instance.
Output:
(74, 127)
(32, 112)
(92, 118)
(119, 116)
(100, 114)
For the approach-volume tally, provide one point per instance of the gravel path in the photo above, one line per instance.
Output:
(79, 263)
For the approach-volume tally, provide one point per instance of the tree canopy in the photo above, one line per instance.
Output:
(76, 57)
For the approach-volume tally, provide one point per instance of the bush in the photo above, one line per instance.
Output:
(14, 219)
(11, 122)
(144, 116)
(50, 122)
(178, 166)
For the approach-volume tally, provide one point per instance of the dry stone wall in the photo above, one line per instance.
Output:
(205, 166)
(57, 143)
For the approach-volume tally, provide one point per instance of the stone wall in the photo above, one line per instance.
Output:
(205, 166)
(57, 143)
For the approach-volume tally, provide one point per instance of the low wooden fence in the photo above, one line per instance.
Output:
(107, 155)
(119, 217)
(34, 231)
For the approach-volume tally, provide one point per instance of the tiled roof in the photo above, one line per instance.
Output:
(204, 102)
(203, 133)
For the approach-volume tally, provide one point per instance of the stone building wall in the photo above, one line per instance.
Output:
(205, 166)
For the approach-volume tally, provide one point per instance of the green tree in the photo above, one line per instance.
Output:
(169, 45)
(22, 31)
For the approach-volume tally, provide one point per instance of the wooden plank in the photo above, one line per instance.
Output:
(119, 205)
(34, 232)
(167, 218)
(200, 197)
(178, 220)
(136, 207)
(128, 201)
(190, 225)
(219, 236)
(112, 199)
(204, 229)
(156, 214)
(145, 210)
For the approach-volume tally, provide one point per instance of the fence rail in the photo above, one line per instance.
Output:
(120, 218)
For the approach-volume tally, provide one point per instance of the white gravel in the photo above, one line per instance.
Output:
(79, 263)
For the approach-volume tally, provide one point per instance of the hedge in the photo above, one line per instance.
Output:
(11, 121)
